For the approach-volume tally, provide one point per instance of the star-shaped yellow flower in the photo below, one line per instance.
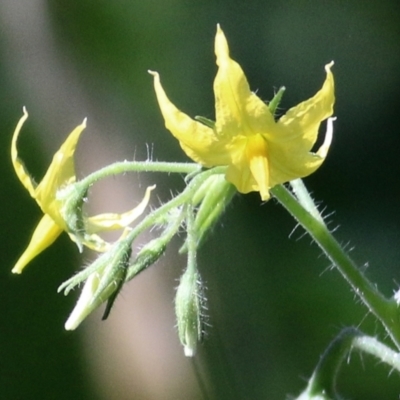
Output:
(60, 174)
(258, 151)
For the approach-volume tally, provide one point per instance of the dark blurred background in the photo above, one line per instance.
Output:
(274, 305)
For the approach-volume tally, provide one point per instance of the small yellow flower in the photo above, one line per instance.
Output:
(61, 173)
(258, 151)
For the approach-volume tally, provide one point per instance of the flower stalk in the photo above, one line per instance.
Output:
(386, 310)
(322, 384)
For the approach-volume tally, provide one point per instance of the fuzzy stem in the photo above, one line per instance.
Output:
(322, 384)
(384, 309)
(372, 346)
(139, 166)
(183, 198)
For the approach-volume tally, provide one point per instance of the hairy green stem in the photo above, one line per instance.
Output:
(123, 167)
(372, 346)
(386, 310)
(322, 384)
(185, 197)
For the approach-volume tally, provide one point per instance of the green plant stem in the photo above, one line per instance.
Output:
(372, 346)
(301, 192)
(322, 384)
(139, 166)
(386, 310)
(191, 240)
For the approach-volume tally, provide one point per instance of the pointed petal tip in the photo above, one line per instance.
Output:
(156, 77)
(21, 264)
(221, 47)
(220, 32)
(329, 66)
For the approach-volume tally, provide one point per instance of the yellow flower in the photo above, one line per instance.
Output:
(258, 151)
(61, 173)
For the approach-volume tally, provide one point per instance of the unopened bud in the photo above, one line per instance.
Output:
(188, 309)
(215, 194)
(154, 249)
(102, 285)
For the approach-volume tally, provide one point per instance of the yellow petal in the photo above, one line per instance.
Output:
(302, 121)
(19, 167)
(288, 163)
(111, 221)
(197, 140)
(238, 110)
(45, 234)
(92, 242)
(60, 172)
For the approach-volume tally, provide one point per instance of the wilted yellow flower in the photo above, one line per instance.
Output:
(61, 173)
(258, 151)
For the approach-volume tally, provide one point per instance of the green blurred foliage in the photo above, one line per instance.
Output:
(274, 302)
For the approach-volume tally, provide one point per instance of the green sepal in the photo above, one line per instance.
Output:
(205, 121)
(274, 103)
(72, 198)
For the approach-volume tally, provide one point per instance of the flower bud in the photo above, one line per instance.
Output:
(103, 284)
(188, 309)
(216, 193)
(154, 249)
(147, 256)
(218, 196)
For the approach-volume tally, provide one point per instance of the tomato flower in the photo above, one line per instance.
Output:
(59, 175)
(258, 151)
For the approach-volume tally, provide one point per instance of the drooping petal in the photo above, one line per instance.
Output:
(197, 140)
(238, 110)
(302, 121)
(93, 242)
(19, 167)
(60, 172)
(111, 221)
(46, 232)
